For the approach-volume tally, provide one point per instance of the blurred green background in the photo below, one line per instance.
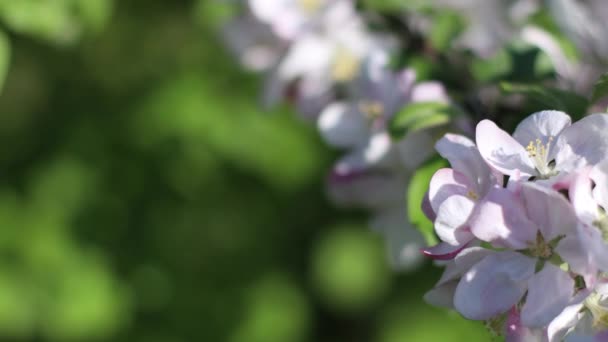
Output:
(145, 196)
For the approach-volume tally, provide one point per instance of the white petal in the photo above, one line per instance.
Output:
(500, 219)
(429, 92)
(567, 319)
(415, 148)
(583, 143)
(402, 239)
(582, 199)
(501, 151)
(599, 174)
(452, 217)
(375, 153)
(493, 285)
(542, 125)
(465, 158)
(549, 292)
(446, 183)
(549, 210)
(442, 295)
(343, 125)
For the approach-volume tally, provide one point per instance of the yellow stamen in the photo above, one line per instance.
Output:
(472, 195)
(598, 311)
(345, 65)
(539, 153)
(310, 6)
(372, 109)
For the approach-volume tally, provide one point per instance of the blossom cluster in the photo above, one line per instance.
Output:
(521, 218)
(523, 225)
(320, 56)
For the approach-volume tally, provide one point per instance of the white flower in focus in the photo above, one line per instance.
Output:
(544, 145)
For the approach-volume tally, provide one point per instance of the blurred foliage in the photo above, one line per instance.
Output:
(145, 196)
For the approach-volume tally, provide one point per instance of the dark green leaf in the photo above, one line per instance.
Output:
(5, 54)
(549, 98)
(600, 89)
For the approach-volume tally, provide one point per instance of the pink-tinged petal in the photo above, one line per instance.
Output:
(583, 143)
(544, 125)
(567, 319)
(599, 174)
(442, 251)
(561, 181)
(549, 210)
(343, 125)
(493, 285)
(427, 208)
(452, 217)
(581, 196)
(429, 92)
(501, 151)
(442, 295)
(465, 158)
(500, 219)
(517, 332)
(446, 183)
(549, 292)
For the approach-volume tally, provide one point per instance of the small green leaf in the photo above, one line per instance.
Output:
(549, 98)
(600, 89)
(416, 191)
(421, 115)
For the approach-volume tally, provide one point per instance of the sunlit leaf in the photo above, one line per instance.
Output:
(421, 115)
(416, 191)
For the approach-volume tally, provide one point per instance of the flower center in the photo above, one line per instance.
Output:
(472, 195)
(309, 6)
(372, 109)
(345, 65)
(598, 311)
(538, 153)
(541, 249)
(602, 223)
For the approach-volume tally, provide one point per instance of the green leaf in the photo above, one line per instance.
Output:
(5, 56)
(600, 89)
(419, 184)
(421, 115)
(447, 26)
(549, 98)
(393, 5)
